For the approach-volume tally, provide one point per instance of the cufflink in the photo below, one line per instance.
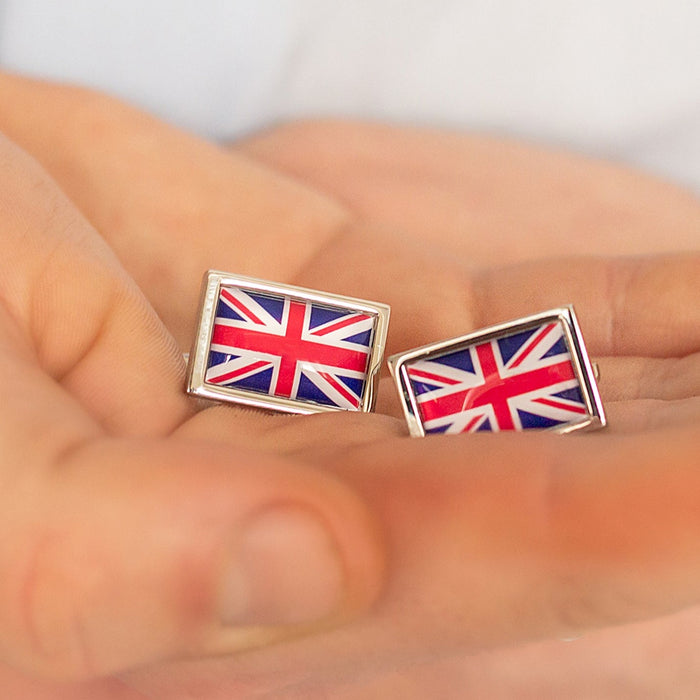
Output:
(532, 373)
(285, 348)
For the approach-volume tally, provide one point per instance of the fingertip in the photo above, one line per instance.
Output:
(164, 550)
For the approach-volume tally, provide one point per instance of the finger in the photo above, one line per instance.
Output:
(70, 311)
(170, 205)
(538, 537)
(643, 415)
(126, 553)
(639, 306)
(435, 297)
(626, 378)
(593, 667)
(618, 300)
(456, 190)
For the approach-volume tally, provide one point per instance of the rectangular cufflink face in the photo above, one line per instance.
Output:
(285, 348)
(533, 373)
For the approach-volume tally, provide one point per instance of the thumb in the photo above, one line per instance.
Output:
(129, 552)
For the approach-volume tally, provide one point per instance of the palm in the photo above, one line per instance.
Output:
(193, 208)
(302, 231)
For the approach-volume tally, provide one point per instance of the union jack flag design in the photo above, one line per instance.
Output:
(288, 347)
(517, 381)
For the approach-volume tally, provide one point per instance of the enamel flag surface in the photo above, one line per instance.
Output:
(520, 376)
(281, 348)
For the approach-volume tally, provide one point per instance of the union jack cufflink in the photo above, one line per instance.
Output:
(533, 373)
(285, 348)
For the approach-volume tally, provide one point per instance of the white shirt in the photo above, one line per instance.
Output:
(614, 78)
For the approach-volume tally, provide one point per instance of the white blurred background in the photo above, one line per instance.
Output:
(613, 78)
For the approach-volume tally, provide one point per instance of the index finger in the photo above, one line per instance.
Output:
(169, 204)
(643, 305)
(69, 310)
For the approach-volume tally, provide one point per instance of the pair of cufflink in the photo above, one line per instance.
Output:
(285, 348)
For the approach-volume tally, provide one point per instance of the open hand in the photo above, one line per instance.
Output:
(128, 510)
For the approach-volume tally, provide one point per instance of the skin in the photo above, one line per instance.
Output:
(461, 556)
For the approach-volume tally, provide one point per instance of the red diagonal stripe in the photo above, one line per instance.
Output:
(238, 372)
(339, 324)
(563, 406)
(239, 306)
(342, 390)
(422, 374)
(471, 423)
(532, 343)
